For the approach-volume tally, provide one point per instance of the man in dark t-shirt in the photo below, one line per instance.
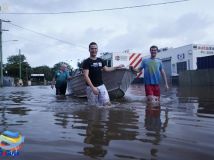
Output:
(95, 70)
(92, 69)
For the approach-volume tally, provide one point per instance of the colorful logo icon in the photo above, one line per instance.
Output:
(10, 143)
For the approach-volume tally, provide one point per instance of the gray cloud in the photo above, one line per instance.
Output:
(187, 25)
(113, 31)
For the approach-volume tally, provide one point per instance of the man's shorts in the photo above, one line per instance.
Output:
(152, 90)
(61, 88)
(101, 99)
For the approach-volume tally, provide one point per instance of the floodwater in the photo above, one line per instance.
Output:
(64, 128)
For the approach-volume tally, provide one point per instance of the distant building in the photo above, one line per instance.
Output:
(175, 60)
(8, 81)
(37, 79)
(183, 58)
(205, 62)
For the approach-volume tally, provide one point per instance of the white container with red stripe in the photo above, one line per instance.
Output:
(127, 59)
(135, 60)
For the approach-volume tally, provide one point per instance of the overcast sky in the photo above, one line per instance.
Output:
(170, 25)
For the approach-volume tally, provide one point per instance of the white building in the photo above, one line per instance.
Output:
(184, 57)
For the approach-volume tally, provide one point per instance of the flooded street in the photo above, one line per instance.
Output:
(57, 128)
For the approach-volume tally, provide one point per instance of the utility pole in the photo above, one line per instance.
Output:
(1, 55)
(1, 59)
(20, 67)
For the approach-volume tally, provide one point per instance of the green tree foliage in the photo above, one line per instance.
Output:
(15, 59)
(79, 64)
(57, 66)
(12, 67)
(47, 71)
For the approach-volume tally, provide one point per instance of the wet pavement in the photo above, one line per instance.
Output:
(58, 128)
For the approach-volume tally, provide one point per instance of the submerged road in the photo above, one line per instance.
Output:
(66, 128)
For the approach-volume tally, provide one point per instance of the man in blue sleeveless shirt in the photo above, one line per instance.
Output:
(60, 80)
(152, 70)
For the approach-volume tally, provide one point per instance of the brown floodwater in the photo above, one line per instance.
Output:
(62, 128)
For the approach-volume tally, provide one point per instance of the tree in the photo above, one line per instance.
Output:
(79, 64)
(57, 66)
(15, 59)
(13, 65)
(43, 70)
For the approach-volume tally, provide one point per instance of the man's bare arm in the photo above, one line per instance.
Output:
(88, 81)
(137, 70)
(53, 82)
(109, 69)
(164, 77)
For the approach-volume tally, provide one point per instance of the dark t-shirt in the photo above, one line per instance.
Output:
(95, 70)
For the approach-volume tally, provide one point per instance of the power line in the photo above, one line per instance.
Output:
(47, 36)
(26, 39)
(97, 10)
